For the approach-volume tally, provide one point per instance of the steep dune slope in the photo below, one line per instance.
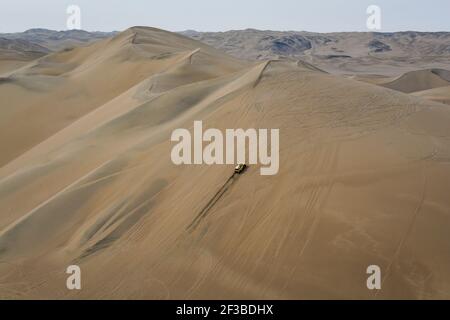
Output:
(363, 179)
(70, 84)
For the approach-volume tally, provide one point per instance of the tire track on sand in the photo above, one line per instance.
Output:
(204, 212)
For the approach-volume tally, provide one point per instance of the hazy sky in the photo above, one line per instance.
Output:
(219, 15)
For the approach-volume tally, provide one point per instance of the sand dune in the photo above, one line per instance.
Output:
(86, 178)
(430, 84)
(70, 84)
(440, 94)
(420, 80)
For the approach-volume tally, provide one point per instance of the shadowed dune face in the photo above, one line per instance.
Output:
(86, 178)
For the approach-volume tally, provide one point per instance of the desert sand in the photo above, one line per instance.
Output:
(431, 84)
(440, 94)
(86, 178)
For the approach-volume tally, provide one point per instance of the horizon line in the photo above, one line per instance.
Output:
(224, 31)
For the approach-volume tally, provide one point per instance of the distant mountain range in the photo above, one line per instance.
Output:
(44, 40)
(342, 52)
